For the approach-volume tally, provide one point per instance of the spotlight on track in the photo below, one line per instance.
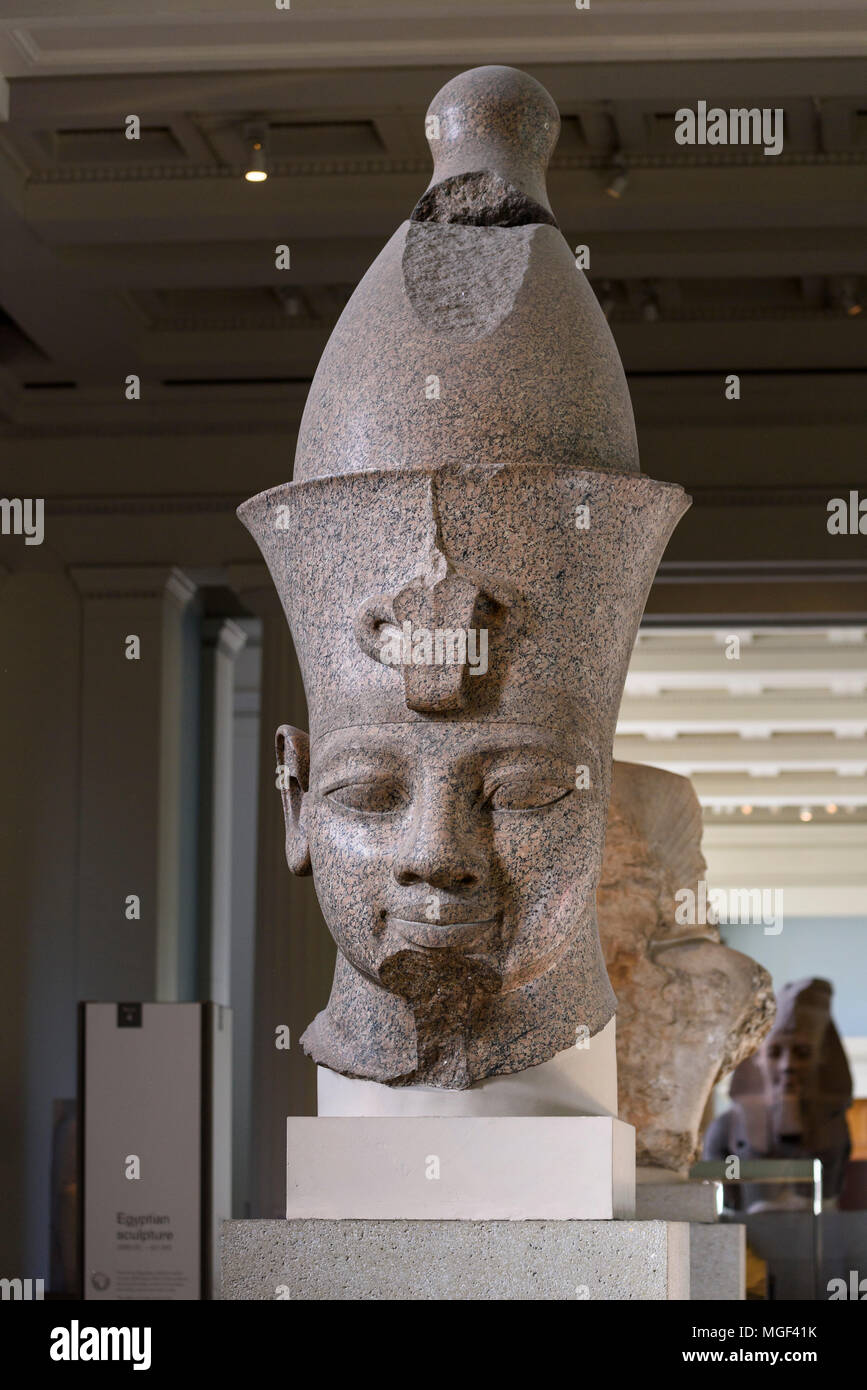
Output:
(849, 301)
(649, 306)
(256, 170)
(843, 297)
(619, 180)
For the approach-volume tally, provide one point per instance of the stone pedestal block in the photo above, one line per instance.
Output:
(511, 1168)
(455, 1260)
(677, 1200)
(717, 1262)
(717, 1253)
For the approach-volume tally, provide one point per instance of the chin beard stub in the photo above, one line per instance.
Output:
(444, 989)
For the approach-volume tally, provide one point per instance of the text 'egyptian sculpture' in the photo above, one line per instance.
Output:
(463, 556)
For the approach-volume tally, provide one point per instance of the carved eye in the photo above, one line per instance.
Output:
(526, 794)
(376, 797)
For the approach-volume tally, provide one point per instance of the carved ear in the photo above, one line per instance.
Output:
(293, 767)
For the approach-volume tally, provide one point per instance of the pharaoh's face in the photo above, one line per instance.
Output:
(789, 1061)
(454, 840)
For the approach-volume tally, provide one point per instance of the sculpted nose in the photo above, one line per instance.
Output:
(439, 849)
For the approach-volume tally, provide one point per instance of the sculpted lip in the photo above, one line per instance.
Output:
(442, 935)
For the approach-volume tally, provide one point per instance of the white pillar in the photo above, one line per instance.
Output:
(222, 640)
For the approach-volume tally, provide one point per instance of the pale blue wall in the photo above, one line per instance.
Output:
(834, 948)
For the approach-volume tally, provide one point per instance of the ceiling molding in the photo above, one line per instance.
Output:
(329, 168)
(755, 762)
(73, 39)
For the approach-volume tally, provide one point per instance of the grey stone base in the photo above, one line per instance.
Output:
(717, 1263)
(717, 1253)
(677, 1201)
(450, 1260)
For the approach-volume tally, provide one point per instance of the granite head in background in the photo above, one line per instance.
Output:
(463, 557)
(790, 1099)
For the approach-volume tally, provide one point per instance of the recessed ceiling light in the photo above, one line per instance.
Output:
(617, 187)
(848, 299)
(257, 169)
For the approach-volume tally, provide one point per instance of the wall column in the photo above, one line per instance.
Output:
(134, 756)
(222, 641)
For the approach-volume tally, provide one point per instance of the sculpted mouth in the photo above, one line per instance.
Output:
(432, 936)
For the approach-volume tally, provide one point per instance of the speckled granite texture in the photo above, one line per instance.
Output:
(455, 1260)
(463, 557)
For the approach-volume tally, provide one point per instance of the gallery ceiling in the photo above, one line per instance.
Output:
(154, 256)
(770, 725)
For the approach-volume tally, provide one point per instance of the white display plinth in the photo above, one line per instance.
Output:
(579, 1081)
(471, 1168)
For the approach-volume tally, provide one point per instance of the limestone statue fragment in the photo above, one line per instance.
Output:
(689, 1008)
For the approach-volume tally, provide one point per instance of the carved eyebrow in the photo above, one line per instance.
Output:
(517, 753)
(357, 757)
(545, 745)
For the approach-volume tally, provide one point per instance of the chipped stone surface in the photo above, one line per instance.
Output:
(440, 800)
(479, 200)
(689, 1008)
(464, 282)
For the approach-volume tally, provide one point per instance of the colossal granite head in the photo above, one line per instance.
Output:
(689, 1008)
(790, 1099)
(463, 557)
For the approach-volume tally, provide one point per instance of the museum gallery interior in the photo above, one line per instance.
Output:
(433, 652)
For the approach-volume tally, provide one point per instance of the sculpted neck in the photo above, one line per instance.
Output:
(467, 1028)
